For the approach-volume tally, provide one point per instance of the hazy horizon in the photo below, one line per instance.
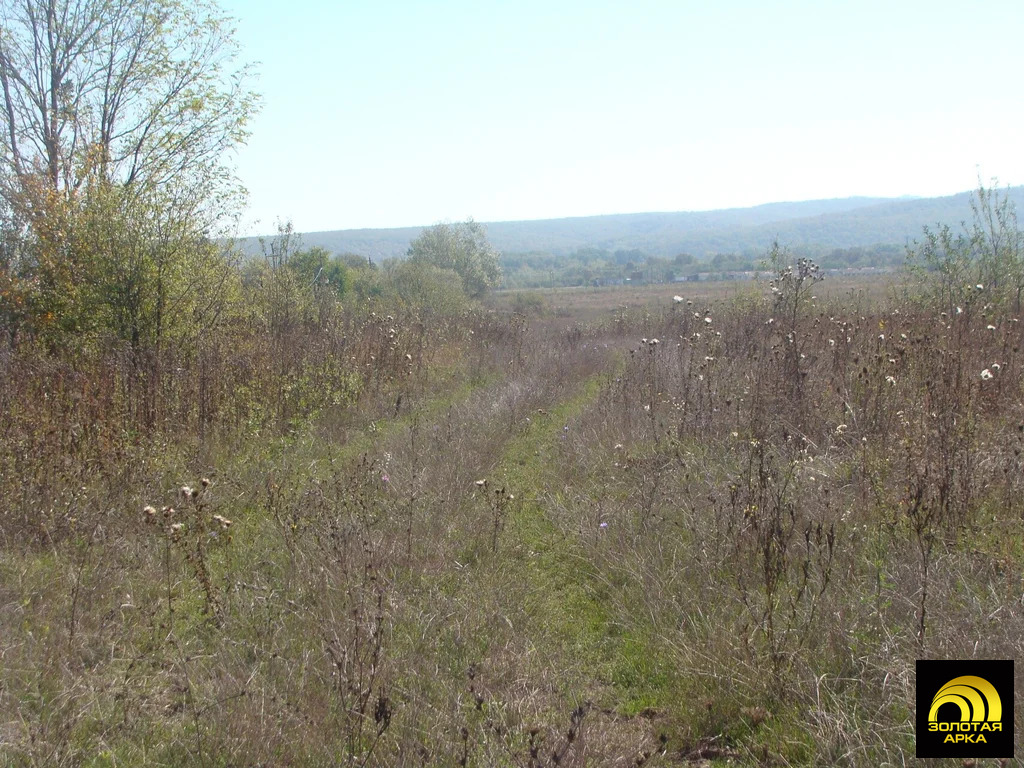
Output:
(423, 224)
(378, 115)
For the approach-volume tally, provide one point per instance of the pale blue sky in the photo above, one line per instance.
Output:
(404, 113)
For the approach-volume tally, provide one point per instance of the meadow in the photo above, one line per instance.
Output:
(562, 528)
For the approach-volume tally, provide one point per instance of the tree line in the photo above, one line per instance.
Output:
(600, 266)
(117, 201)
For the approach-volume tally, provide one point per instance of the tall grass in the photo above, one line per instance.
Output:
(708, 531)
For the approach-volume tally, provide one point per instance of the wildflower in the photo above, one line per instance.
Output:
(384, 478)
(409, 358)
(643, 340)
(149, 511)
(654, 342)
(603, 525)
(707, 320)
(986, 375)
(186, 491)
(176, 528)
(881, 337)
(959, 310)
(619, 446)
(223, 521)
(677, 299)
(481, 483)
(890, 380)
(841, 429)
(831, 342)
(980, 287)
(991, 327)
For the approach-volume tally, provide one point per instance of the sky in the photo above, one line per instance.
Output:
(383, 113)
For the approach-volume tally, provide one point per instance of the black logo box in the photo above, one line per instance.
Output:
(950, 738)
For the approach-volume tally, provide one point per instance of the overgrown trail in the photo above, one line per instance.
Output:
(531, 613)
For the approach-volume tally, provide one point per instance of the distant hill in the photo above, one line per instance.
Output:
(841, 223)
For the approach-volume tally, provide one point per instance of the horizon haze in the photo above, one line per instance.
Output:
(808, 224)
(395, 113)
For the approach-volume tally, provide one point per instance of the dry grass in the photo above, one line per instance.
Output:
(727, 547)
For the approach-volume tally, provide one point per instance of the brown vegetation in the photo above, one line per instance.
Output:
(711, 531)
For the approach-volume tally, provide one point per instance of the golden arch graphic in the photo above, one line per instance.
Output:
(975, 696)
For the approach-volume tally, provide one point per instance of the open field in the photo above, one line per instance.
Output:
(587, 305)
(610, 530)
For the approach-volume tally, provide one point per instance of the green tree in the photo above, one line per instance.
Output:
(151, 273)
(423, 285)
(984, 262)
(278, 296)
(317, 268)
(463, 249)
(116, 116)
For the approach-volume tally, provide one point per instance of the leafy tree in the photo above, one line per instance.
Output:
(423, 285)
(320, 271)
(984, 262)
(999, 243)
(356, 261)
(463, 249)
(279, 291)
(151, 274)
(136, 91)
(116, 115)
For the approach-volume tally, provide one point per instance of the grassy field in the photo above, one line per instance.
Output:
(578, 527)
